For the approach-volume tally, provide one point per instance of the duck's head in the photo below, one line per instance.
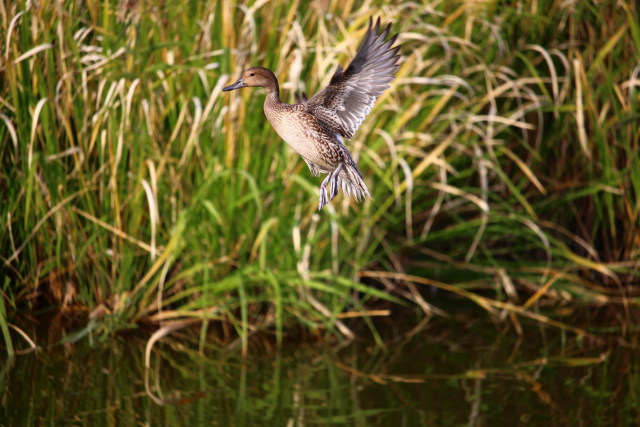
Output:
(255, 76)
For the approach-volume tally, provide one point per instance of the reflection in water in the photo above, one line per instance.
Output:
(452, 373)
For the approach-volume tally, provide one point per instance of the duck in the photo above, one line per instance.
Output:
(316, 127)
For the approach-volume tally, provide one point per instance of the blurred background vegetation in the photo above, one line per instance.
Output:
(503, 163)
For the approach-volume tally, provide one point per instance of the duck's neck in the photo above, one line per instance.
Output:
(272, 101)
(273, 97)
(273, 88)
(273, 92)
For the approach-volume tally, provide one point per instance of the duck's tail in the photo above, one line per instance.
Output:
(346, 177)
(349, 180)
(351, 183)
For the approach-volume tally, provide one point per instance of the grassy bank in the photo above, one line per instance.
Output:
(503, 162)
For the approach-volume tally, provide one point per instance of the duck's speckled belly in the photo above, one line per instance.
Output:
(292, 132)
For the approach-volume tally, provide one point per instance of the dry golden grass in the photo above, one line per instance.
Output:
(504, 157)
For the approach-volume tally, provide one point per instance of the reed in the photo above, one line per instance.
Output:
(504, 158)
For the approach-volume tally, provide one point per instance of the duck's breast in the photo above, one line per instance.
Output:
(302, 133)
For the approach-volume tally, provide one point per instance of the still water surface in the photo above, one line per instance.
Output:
(453, 372)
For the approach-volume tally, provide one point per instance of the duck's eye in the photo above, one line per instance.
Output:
(252, 74)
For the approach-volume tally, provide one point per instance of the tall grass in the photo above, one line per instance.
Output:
(504, 158)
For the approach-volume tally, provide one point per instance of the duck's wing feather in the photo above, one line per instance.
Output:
(351, 94)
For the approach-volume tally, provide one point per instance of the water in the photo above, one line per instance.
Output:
(465, 371)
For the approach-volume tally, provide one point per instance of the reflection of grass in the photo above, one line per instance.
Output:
(504, 158)
(455, 371)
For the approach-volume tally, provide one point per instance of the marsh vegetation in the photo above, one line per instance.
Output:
(503, 165)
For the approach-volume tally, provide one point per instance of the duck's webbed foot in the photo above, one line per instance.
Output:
(314, 170)
(324, 197)
(332, 180)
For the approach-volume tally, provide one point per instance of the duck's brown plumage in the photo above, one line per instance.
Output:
(315, 127)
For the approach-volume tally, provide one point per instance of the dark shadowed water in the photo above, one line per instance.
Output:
(453, 372)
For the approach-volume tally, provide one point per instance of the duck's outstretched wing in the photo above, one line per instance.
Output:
(351, 94)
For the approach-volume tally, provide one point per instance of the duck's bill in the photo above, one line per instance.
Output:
(237, 85)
